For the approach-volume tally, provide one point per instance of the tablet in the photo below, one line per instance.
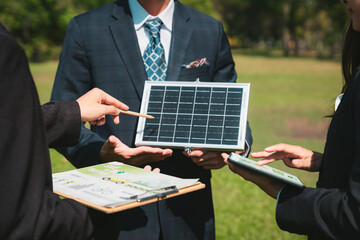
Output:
(266, 170)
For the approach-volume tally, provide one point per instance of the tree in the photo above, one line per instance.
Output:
(37, 24)
(296, 24)
(40, 25)
(251, 20)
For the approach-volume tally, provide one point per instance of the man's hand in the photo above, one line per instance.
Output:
(115, 150)
(208, 159)
(292, 156)
(95, 104)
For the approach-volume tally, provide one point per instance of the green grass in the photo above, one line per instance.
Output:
(289, 98)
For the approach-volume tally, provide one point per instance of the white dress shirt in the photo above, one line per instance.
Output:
(338, 101)
(140, 16)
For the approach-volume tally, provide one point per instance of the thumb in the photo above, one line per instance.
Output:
(117, 143)
(113, 141)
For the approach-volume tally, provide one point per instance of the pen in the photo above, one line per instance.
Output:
(137, 114)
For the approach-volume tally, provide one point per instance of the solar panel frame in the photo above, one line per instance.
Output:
(182, 108)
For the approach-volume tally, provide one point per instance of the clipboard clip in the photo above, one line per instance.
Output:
(159, 193)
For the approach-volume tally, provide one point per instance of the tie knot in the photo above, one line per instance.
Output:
(153, 27)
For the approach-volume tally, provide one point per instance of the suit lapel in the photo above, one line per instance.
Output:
(124, 35)
(181, 34)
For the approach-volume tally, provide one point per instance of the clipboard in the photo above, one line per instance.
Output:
(114, 186)
(138, 203)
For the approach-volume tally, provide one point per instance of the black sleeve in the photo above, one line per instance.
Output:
(29, 209)
(62, 123)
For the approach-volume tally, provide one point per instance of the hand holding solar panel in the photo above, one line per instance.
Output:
(194, 115)
(207, 159)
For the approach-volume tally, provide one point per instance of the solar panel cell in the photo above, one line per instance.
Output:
(201, 108)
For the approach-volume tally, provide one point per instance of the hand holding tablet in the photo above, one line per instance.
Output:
(266, 170)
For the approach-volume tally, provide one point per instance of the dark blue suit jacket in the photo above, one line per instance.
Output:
(101, 50)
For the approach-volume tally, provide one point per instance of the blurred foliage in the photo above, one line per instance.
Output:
(205, 6)
(292, 25)
(37, 24)
(40, 25)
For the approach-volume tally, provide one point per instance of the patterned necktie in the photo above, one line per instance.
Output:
(154, 55)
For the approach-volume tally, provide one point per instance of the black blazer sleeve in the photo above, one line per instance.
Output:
(28, 206)
(62, 123)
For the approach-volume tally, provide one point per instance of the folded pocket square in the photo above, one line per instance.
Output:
(195, 64)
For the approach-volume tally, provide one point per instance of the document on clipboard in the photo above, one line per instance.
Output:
(114, 186)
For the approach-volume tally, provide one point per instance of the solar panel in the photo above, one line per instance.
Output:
(194, 115)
